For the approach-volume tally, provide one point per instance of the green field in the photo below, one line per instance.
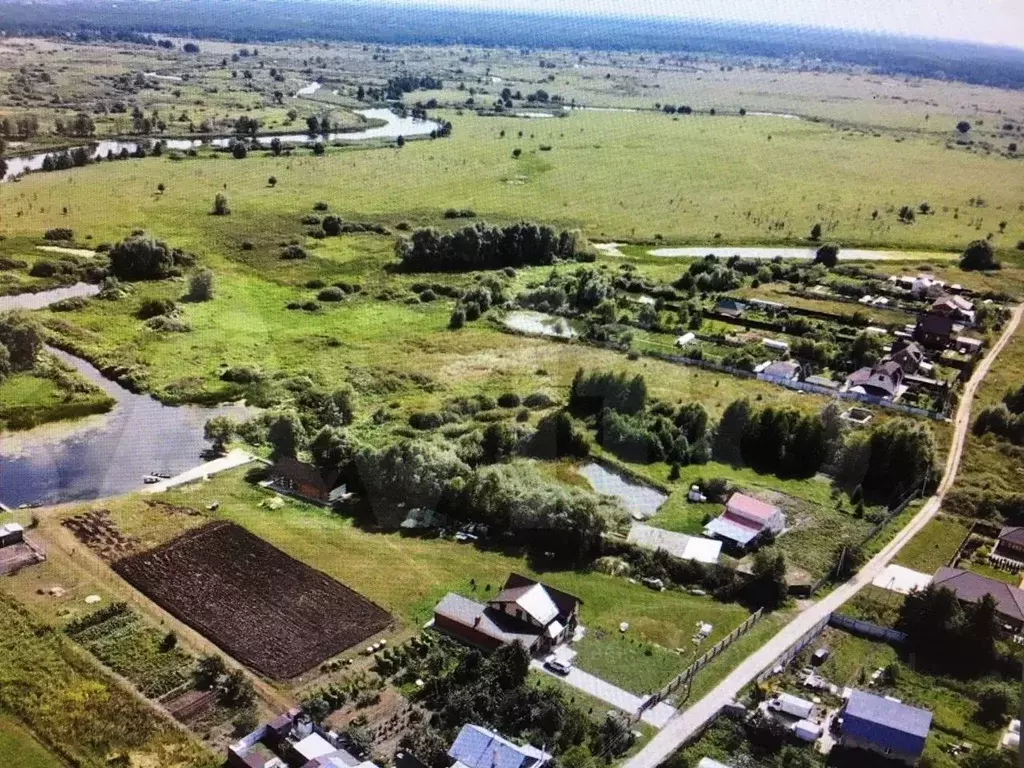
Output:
(29, 399)
(22, 749)
(640, 668)
(613, 175)
(934, 546)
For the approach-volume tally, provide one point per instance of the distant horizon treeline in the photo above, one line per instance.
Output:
(233, 20)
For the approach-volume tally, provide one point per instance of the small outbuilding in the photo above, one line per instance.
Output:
(11, 533)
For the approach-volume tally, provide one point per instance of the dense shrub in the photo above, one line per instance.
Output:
(293, 252)
(484, 247)
(23, 339)
(59, 233)
(509, 400)
(241, 374)
(143, 258)
(168, 324)
(200, 286)
(538, 400)
(154, 307)
(978, 255)
(558, 435)
(221, 206)
(332, 225)
(592, 392)
(331, 294)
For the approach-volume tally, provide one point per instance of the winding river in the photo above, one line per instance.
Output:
(99, 456)
(393, 127)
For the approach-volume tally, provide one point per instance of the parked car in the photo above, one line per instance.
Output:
(558, 666)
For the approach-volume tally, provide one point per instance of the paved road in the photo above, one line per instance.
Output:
(681, 728)
(610, 694)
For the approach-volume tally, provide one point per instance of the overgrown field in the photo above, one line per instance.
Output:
(82, 714)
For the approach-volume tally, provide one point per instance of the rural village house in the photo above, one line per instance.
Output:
(1010, 543)
(956, 307)
(885, 726)
(11, 533)
(525, 611)
(477, 747)
(972, 587)
(298, 478)
(907, 354)
(746, 521)
(884, 380)
(292, 739)
(730, 308)
(933, 331)
(780, 370)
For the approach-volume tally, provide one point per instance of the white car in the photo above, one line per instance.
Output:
(558, 666)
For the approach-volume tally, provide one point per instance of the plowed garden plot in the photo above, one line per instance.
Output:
(266, 609)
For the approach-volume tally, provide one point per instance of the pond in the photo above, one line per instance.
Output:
(393, 127)
(641, 501)
(845, 254)
(45, 298)
(539, 323)
(102, 455)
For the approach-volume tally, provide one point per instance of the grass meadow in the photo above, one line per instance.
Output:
(614, 175)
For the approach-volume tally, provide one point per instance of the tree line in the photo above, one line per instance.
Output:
(480, 246)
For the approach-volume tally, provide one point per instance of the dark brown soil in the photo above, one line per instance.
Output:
(264, 608)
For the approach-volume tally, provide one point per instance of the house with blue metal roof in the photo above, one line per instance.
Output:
(477, 747)
(885, 726)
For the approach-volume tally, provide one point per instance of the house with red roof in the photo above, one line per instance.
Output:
(746, 522)
(524, 611)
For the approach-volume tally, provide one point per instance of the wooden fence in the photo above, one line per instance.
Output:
(687, 674)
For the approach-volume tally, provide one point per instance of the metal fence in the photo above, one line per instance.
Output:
(866, 628)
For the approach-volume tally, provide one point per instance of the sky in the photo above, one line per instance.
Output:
(999, 22)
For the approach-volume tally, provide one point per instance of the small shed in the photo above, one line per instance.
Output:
(11, 533)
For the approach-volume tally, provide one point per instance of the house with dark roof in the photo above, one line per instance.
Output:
(780, 370)
(933, 331)
(956, 307)
(885, 726)
(524, 611)
(298, 478)
(477, 747)
(746, 521)
(730, 308)
(972, 587)
(907, 354)
(1010, 543)
(883, 380)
